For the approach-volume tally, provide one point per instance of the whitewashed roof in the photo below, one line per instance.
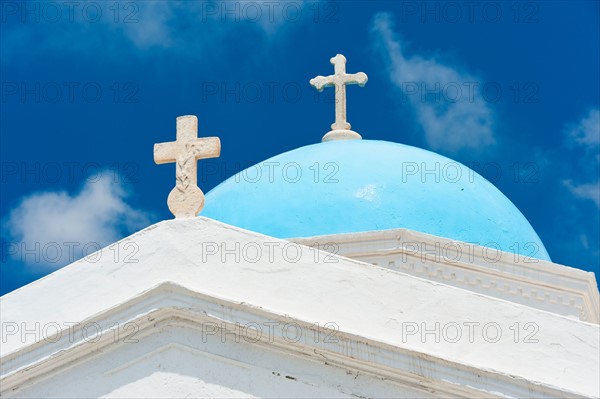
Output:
(370, 305)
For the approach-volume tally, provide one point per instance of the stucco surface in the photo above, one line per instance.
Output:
(315, 287)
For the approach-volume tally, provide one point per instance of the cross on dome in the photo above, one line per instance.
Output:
(339, 80)
(186, 200)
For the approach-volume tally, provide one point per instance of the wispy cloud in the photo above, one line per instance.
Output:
(585, 134)
(166, 23)
(586, 191)
(150, 24)
(114, 28)
(46, 228)
(453, 123)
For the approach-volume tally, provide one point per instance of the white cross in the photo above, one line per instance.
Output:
(339, 80)
(186, 200)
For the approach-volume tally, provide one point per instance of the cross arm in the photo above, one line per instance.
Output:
(165, 152)
(321, 82)
(359, 78)
(206, 147)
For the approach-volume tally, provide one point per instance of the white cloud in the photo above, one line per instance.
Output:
(188, 27)
(587, 131)
(459, 118)
(586, 191)
(166, 23)
(96, 216)
(151, 26)
(586, 134)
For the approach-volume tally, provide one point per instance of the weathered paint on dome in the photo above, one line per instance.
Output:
(363, 185)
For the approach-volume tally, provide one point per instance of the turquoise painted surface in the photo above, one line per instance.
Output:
(363, 185)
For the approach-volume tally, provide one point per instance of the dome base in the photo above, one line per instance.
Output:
(341, 134)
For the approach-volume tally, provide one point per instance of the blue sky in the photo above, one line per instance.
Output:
(509, 88)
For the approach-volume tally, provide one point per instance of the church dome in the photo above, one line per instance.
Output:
(347, 186)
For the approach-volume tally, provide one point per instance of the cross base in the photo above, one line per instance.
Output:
(186, 203)
(341, 134)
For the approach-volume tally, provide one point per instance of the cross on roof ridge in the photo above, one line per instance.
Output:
(186, 200)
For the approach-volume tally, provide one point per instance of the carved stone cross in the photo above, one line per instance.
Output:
(340, 130)
(186, 200)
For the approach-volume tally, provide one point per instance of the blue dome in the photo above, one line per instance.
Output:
(351, 186)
